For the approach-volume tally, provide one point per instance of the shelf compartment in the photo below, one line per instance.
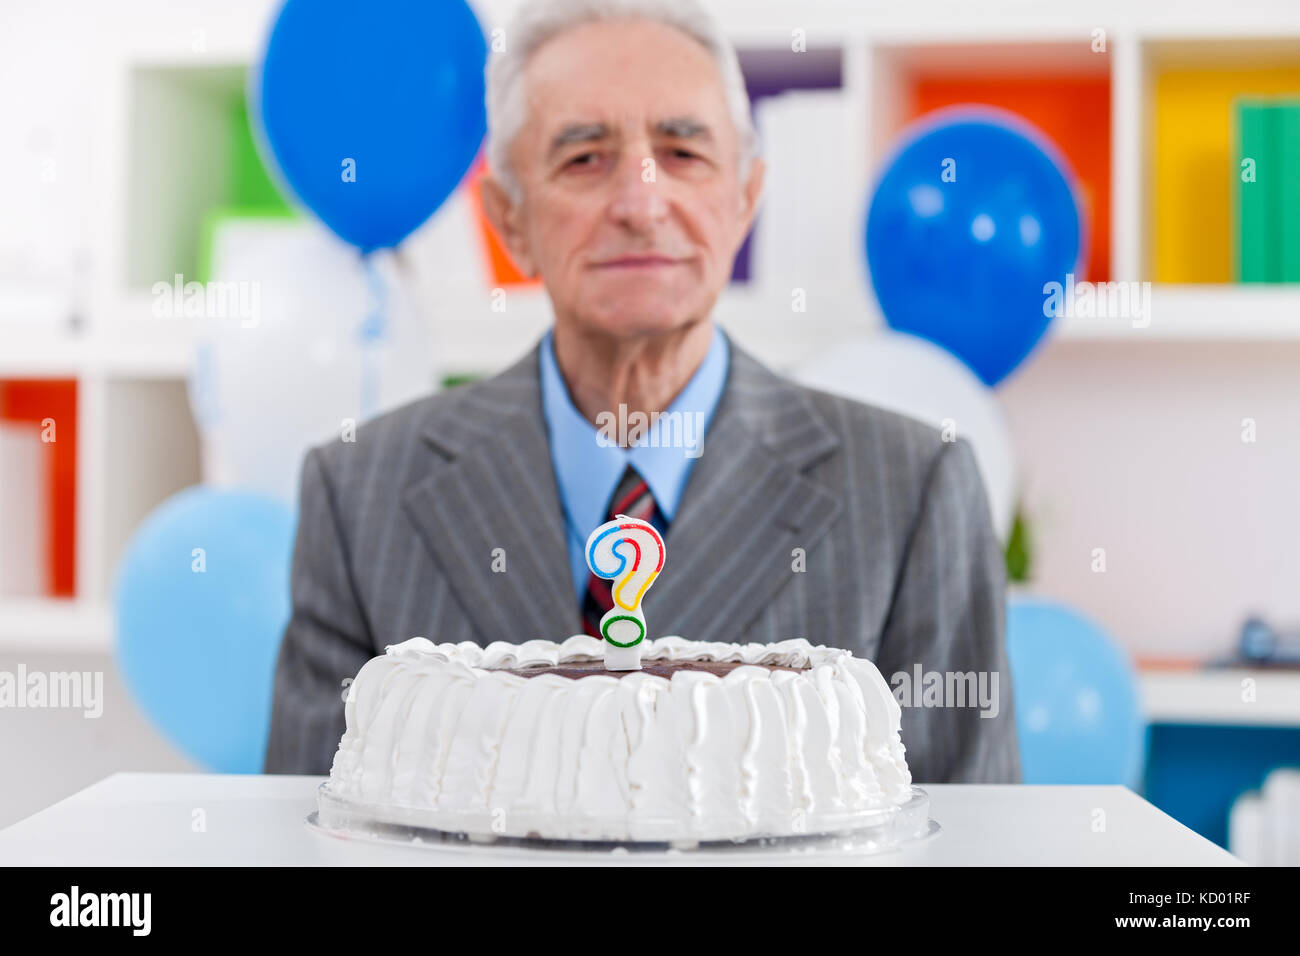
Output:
(1061, 87)
(190, 150)
(1190, 88)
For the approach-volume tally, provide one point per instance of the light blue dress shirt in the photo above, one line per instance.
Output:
(587, 468)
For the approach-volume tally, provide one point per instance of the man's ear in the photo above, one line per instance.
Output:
(750, 196)
(504, 217)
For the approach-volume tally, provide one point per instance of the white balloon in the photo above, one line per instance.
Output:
(915, 377)
(266, 390)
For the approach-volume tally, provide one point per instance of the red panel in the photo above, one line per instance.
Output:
(35, 401)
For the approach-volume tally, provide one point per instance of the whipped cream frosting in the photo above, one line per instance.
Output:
(443, 733)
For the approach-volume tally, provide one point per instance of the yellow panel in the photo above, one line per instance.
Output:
(1191, 170)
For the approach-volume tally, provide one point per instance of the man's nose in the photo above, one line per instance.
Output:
(639, 199)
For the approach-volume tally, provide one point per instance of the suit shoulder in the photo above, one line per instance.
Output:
(916, 454)
(882, 448)
(377, 433)
(390, 434)
(491, 395)
(900, 434)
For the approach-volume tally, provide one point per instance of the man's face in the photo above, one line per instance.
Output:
(633, 209)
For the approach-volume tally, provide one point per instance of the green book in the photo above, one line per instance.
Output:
(1258, 227)
(1287, 157)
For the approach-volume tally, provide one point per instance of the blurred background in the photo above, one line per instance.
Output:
(182, 314)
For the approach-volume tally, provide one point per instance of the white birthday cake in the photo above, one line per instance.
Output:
(706, 741)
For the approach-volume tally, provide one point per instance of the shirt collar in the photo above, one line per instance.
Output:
(588, 472)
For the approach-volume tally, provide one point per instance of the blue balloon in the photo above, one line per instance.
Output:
(972, 218)
(1077, 708)
(390, 91)
(197, 647)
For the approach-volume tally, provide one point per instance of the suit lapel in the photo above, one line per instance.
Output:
(747, 505)
(497, 491)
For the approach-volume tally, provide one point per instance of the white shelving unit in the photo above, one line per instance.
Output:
(1216, 697)
(127, 362)
(55, 626)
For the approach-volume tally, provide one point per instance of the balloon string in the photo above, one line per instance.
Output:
(371, 334)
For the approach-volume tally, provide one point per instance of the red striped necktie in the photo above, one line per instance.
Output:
(632, 497)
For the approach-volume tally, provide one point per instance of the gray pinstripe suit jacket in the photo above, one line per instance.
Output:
(397, 531)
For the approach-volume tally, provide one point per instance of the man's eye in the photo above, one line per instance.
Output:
(684, 154)
(581, 160)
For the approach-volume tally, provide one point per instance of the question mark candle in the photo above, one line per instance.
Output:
(629, 552)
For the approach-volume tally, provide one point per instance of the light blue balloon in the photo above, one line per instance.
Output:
(198, 631)
(1077, 707)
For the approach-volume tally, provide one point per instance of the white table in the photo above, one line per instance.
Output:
(153, 819)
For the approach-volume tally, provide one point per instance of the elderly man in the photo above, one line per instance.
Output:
(624, 174)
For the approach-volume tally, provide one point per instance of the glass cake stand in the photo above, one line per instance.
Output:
(879, 830)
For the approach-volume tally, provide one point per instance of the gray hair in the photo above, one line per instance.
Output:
(538, 21)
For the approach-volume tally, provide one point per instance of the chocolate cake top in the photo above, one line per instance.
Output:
(590, 667)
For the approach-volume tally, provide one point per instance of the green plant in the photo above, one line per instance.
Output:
(1020, 548)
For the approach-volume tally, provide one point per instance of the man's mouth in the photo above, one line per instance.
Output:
(638, 262)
